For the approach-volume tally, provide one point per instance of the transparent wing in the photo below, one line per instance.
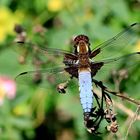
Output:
(34, 46)
(48, 67)
(31, 52)
(134, 57)
(129, 62)
(122, 43)
(46, 78)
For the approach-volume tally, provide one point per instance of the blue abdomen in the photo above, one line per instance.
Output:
(85, 87)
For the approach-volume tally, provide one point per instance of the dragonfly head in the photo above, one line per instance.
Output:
(81, 44)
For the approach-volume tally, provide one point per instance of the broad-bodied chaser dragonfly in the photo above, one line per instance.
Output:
(82, 65)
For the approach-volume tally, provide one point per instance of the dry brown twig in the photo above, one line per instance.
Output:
(119, 105)
(135, 117)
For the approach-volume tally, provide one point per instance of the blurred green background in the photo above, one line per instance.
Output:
(33, 113)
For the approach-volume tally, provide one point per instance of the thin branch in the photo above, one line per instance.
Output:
(128, 111)
(123, 97)
(132, 121)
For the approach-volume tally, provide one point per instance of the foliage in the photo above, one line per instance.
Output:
(41, 113)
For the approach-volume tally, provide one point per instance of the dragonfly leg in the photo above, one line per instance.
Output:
(93, 119)
(61, 88)
(109, 114)
(99, 83)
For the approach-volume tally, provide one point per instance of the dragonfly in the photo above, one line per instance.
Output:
(83, 65)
